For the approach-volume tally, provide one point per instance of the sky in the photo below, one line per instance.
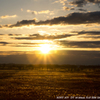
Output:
(70, 28)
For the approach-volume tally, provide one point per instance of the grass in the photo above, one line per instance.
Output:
(46, 82)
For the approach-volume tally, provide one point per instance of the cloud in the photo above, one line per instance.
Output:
(44, 12)
(61, 1)
(93, 1)
(33, 12)
(0, 26)
(7, 16)
(82, 9)
(4, 43)
(21, 9)
(71, 19)
(67, 8)
(81, 3)
(27, 44)
(29, 11)
(40, 12)
(40, 37)
(87, 32)
(55, 2)
(51, 12)
(92, 37)
(14, 34)
(81, 44)
(22, 23)
(22, 46)
(78, 3)
(11, 44)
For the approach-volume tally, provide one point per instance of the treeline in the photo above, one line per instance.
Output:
(72, 68)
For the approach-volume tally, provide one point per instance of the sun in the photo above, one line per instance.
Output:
(45, 48)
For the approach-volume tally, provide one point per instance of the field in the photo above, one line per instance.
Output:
(47, 82)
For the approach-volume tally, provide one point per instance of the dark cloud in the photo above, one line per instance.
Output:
(90, 32)
(82, 9)
(67, 8)
(23, 23)
(78, 3)
(26, 45)
(92, 37)
(87, 32)
(72, 18)
(81, 44)
(14, 34)
(10, 34)
(4, 43)
(20, 44)
(81, 3)
(0, 26)
(41, 37)
(72, 8)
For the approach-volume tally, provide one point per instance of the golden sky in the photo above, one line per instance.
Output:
(29, 25)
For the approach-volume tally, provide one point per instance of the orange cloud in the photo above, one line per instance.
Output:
(61, 1)
(21, 9)
(7, 16)
(33, 12)
(44, 12)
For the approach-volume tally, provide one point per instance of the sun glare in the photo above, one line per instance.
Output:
(45, 48)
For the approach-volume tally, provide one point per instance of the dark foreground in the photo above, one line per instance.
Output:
(48, 82)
